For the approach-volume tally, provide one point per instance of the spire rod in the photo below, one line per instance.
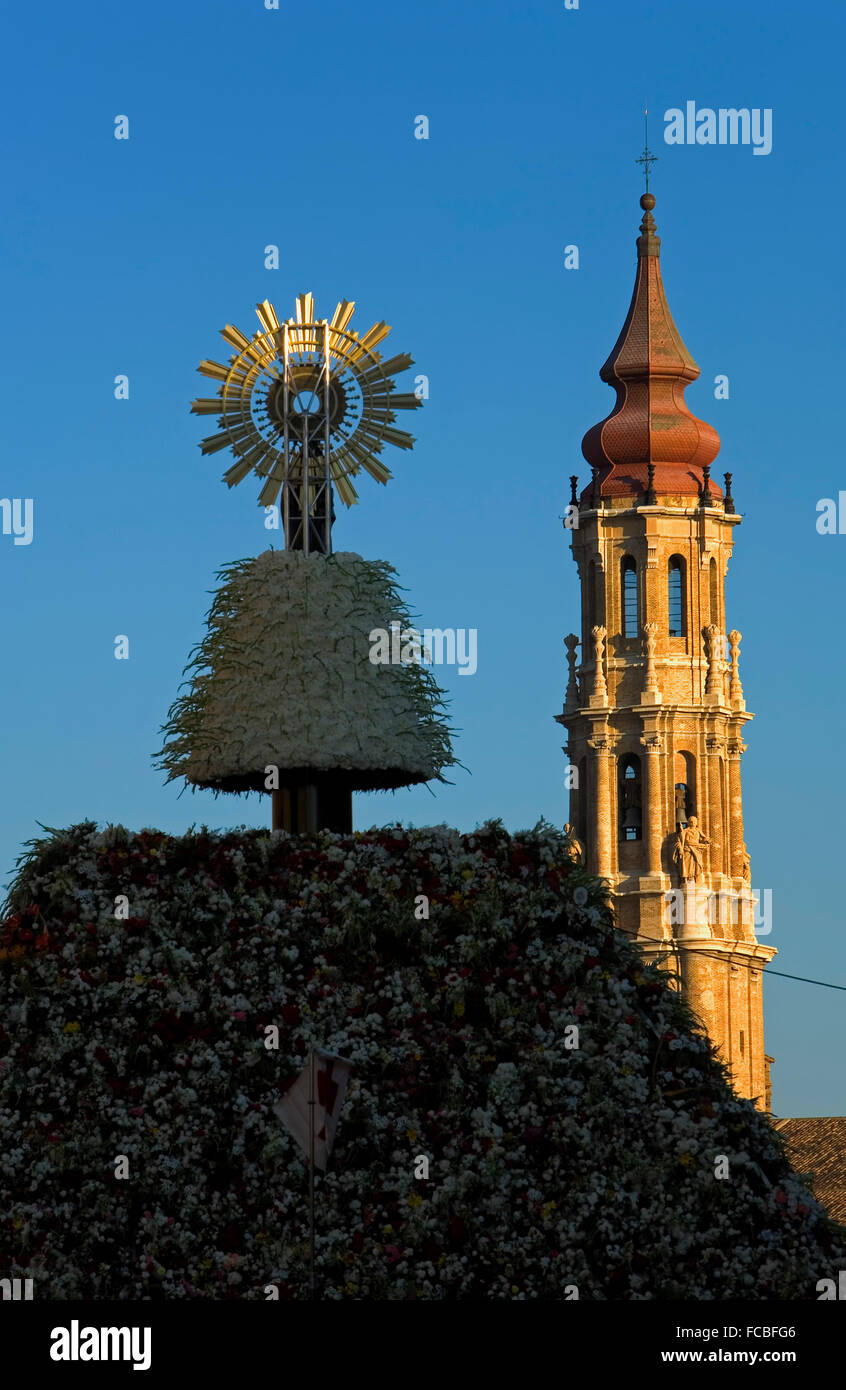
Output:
(647, 157)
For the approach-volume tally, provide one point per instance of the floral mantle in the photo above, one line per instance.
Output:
(552, 1167)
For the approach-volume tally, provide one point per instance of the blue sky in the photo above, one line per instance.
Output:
(296, 127)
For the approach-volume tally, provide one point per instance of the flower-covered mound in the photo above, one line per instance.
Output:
(283, 679)
(572, 1117)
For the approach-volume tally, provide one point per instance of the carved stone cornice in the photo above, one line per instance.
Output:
(603, 741)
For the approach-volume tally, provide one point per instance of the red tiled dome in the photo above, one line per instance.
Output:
(649, 367)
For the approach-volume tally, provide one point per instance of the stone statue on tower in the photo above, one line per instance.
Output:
(688, 851)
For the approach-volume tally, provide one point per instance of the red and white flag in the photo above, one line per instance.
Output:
(331, 1074)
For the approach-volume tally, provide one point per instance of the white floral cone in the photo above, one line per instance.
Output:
(284, 679)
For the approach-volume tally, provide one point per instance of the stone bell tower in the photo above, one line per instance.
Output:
(654, 712)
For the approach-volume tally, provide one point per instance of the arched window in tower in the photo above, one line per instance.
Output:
(593, 600)
(684, 779)
(629, 798)
(714, 592)
(675, 596)
(598, 595)
(629, 590)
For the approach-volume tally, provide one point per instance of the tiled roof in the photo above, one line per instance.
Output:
(817, 1148)
(650, 367)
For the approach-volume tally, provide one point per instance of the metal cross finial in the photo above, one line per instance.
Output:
(647, 157)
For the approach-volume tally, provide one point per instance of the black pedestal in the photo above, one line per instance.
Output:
(324, 804)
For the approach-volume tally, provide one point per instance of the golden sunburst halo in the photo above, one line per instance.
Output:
(300, 388)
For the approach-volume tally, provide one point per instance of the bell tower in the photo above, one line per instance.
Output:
(654, 712)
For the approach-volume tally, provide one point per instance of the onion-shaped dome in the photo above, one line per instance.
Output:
(650, 367)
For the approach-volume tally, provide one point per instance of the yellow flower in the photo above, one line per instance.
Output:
(71, 1027)
(412, 1134)
(547, 1210)
(414, 1199)
(686, 1159)
(467, 873)
(458, 1008)
(138, 979)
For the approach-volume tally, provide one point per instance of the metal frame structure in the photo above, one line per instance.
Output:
(302, 525)
(260, 408)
